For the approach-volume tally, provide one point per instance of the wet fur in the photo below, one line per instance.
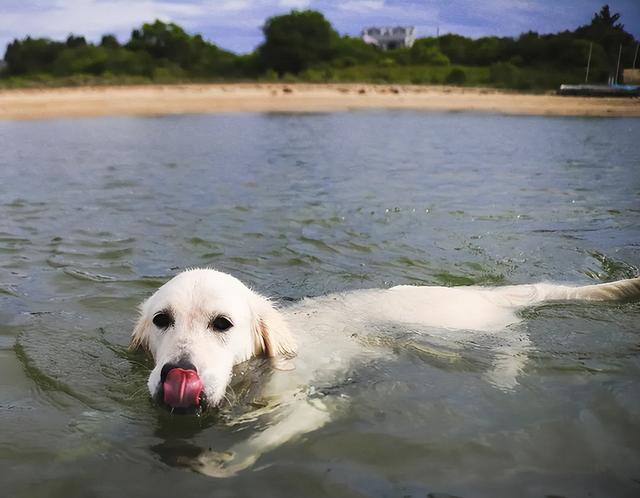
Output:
(312, 340)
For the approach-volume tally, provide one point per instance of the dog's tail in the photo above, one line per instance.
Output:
(622, 290)
(527, 295)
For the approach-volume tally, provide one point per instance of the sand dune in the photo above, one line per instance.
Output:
(251, 97)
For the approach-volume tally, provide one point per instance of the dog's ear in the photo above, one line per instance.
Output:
(271, 333)
(140, 334)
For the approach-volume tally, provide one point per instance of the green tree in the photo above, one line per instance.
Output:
(607, 20)
(76, 41)
(109, 41)
(457, 48)
(31, 55)
(187, 54)
(606, 31)
(297, 41)
(162, 41)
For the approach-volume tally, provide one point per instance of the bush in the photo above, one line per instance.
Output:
(269, 75)
(517, 60)
(289, 78)
(346, 61)
(425, 51)
(457, 76)
(503, 74)
(166, 74)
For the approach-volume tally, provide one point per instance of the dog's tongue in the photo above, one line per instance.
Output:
(182, 388)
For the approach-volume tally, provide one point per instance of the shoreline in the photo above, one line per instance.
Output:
(152, 100)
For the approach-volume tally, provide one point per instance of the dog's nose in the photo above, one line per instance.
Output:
(181, 386)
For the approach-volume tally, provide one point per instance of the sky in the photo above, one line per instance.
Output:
(236, 24)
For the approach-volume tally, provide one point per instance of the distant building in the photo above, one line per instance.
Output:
(388, 38)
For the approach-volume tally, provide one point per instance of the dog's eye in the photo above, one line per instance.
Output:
(163, 320)
(220, 323)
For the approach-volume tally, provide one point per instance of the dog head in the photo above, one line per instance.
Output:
(197, 327)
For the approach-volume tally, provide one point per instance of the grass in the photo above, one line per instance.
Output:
(500, 75)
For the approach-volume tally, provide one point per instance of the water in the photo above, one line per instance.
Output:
(96, 213)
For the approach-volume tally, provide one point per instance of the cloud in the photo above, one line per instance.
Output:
(90, 17)
(295, 4)
(361, 5)
(231, 5)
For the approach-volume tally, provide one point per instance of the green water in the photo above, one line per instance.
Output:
(96, 213)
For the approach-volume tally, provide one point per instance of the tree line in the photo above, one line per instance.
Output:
(303, 46)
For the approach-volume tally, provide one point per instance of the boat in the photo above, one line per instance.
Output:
(601, 90)
(613, 89)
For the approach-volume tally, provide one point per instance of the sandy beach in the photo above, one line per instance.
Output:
(251, 97)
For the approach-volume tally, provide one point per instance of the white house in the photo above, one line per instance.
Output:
(390, 37)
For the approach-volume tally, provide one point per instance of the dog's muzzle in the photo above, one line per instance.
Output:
(181, 386)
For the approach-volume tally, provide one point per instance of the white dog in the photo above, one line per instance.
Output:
(202, 323)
